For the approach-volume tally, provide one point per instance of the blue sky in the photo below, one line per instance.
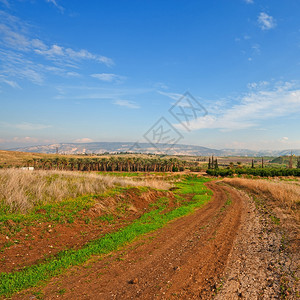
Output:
(79, 71)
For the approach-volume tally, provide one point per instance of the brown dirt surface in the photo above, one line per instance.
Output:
(264, 262)
(229, 249)
(183, 260)
(40, 241)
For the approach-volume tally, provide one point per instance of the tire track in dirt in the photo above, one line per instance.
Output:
(183, 260)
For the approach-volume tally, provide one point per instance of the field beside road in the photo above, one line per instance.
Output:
(90, 235)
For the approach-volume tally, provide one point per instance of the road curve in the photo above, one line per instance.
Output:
(183, 260)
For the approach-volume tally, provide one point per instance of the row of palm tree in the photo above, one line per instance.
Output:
(121, 164)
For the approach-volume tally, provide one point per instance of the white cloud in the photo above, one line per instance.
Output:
(38, 44)
(256, 49)
(160, 85)
(174, 96)
(19, 48)
(275, 144)
(108, 77)
(56, 52)
(73, 74)
(126, 103)
(258, 85)
(25, 140)
(11, 38)
(84, 140)
(25, 126)
(266, 21)
(11, 83)
(84, 92)
(253, 108)
(56, 5)
(249, 1)
(18, 141)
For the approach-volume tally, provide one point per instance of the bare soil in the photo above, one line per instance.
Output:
(39, 241)
(229, 249)
(183, 260)
(264, 262)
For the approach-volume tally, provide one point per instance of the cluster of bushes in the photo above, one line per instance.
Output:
(196, 169)
(263, 172)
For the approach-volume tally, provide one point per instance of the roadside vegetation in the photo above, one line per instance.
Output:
(285, 194)
(21, 190)
(262, 172)
(188, 193)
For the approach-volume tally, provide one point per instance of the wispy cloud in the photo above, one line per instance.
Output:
(73, 74)
(84, 140)
(174, 96)
(249, 1)
(9, 82)
(18, 141)
(278, 144)
(54, 2)
(25, 126)
(84, 92)
(20, 49)
(56, 52)
(126, 103)
(258, 105)
(108, 77)
(265, 21)
(25, 140)
(161, 85)
(16, 66)
(258, 85)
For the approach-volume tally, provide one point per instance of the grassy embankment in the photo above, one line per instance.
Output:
(31, 276)
(285, 194)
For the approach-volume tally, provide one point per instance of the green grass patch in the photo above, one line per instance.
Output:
(192, 185)
(62, 211)
(275, 220)
(109, 218)
(122, 174)
(65, 211)
(228, 202)
(11, 283)
(161, 202)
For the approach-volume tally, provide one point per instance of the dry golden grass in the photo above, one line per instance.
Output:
(287, 194)
(22, 189)
(14, 158)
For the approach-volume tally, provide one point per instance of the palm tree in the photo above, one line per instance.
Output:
(87, 164)
(104, 163)
(80, 164)
(120, 163)
(112, 163)
(72, 163)
(57, 162)
(64, 163)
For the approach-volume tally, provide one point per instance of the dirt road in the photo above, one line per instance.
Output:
(229, 249)
(183, 260)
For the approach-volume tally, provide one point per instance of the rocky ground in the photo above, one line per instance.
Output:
(261, 265)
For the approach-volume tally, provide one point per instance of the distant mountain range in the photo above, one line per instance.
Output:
(179, 149)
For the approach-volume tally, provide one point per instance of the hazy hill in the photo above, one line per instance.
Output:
(179, 149)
